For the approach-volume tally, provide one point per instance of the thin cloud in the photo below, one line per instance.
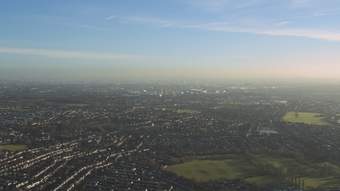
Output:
(63, 54)
(220, 5)
(314, 34)
(282, 23)
(300, 3)
(280, 28)
(329, 12)
(143, 20)
(111, 17)
(277, 31)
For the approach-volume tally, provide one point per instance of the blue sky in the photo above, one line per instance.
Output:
(125, 39)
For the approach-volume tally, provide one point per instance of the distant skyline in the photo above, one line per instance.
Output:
(121, 40)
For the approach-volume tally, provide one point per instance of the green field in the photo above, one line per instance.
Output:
(186, 111)
(305, 118)
(260, 170)
(13, 148)
(206, 170)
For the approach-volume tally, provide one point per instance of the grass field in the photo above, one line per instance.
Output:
(186, 111)
(305, 118)
(13, 148)
(206, 170)
(260, 170)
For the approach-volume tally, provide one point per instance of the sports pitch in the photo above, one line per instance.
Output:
(260, 170)
(13, 148)
(305, 118)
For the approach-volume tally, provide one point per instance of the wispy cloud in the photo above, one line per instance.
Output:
(279, 28)
(327, 12)
(220, 5)
(63, 54)
(111, 17)
(300, 3)
(143, 20)
(306, 33)
(282, 23)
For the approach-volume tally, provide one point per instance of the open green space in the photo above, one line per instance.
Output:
(305, 118)
(206, 170)
(12, 148)
(260, 170)
(186, 111)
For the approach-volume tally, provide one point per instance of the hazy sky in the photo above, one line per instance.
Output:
(169, 39)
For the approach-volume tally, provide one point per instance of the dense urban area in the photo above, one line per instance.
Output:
(150, 137)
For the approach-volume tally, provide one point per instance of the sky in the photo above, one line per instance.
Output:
(119, 40)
